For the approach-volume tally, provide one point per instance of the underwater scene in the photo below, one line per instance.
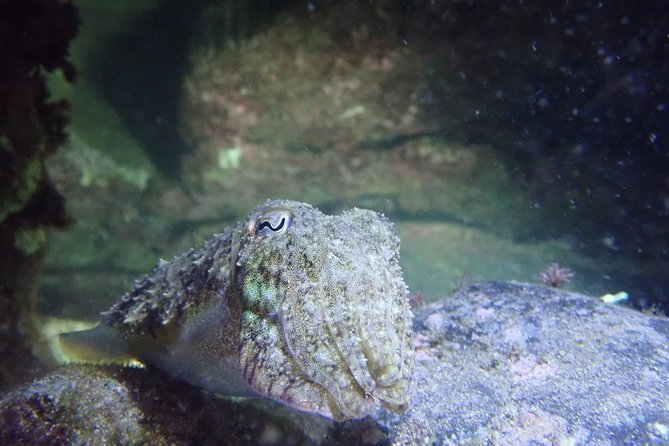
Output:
(334, 222)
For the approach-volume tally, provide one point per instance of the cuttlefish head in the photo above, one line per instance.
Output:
(326, 325)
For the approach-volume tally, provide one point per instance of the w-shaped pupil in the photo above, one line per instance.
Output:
(267, 224)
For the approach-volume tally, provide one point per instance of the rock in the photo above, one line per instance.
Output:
(511, 363)
(35, 39)
(110, 405)
(340, 105)
(497, 363)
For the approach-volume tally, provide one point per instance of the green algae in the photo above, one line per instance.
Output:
(31, 240)
(24, 185)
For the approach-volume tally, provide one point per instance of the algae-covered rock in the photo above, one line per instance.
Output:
(497, 363)
(34, 39)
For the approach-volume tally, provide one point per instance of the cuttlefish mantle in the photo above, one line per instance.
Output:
(291, 304)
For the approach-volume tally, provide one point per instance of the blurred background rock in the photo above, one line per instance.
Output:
(500, 136)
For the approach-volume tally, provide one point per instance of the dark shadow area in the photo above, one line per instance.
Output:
(576, 98)
(140, 72)
(575, 95)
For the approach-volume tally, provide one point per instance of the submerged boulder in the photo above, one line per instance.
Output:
(511, 363)
(497, 363)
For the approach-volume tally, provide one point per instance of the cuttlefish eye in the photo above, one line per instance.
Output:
(273, 222)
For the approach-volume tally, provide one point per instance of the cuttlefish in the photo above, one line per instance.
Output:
(304, 308)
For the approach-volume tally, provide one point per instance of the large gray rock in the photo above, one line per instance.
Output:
(510, 363)
(497, 363)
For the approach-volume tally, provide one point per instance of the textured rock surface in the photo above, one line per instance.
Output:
(515, 364)
(497, 363)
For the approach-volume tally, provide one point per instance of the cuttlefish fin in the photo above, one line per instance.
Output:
(98, 345)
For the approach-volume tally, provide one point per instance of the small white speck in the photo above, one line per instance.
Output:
(616, 298)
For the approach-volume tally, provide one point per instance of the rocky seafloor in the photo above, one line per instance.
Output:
(497, 363)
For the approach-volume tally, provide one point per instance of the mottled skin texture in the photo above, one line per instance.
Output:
(304, 308)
